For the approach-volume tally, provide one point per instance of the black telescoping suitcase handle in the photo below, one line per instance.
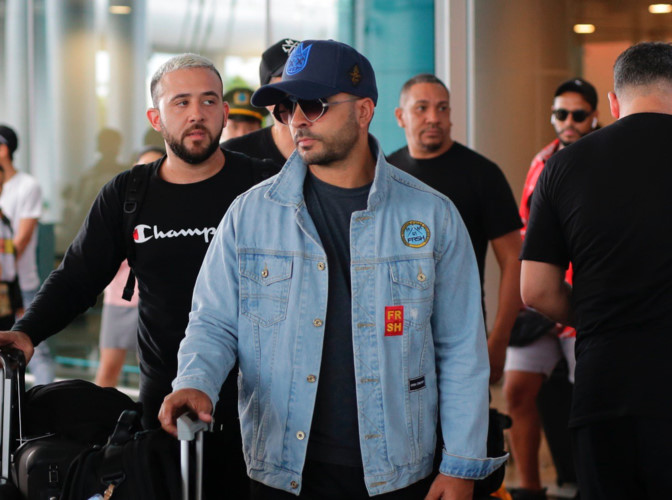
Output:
(190, 428)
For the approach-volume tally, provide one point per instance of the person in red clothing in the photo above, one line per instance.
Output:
(573, 115)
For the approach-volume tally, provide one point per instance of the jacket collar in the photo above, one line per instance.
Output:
(287, 188)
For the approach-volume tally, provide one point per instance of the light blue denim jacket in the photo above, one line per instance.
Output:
(261, 297)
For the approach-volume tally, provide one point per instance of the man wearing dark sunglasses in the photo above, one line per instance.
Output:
(349, 292)
(528, 367)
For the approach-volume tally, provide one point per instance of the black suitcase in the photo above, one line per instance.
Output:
(12, 366)
(40, 466)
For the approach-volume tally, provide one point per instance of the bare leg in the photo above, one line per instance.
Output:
(111, 363)
(521, 390)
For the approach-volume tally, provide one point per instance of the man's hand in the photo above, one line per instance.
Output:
(18, 340)
(179, 402)
(451, 488)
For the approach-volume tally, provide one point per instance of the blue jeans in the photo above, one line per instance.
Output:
(42, 363)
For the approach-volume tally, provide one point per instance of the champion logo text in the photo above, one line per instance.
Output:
(394, 321)
(143, 232)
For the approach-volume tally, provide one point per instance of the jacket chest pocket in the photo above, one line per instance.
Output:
(264, 287)
(413, 288)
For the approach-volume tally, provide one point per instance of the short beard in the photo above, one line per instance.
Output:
(193, 158)
(335, 149)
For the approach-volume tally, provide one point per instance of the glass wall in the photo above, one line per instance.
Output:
(74, 78)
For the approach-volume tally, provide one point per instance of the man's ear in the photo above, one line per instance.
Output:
(226, 112)
(399, 115)
(614, 105)
(154, 118)
(366, 110)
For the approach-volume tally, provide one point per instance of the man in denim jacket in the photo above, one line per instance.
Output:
(349, 293)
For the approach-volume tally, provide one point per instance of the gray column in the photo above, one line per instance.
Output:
(126, 42)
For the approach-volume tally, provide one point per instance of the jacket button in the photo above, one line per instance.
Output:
(264, 273)
(300, 435)
(421, 277)
(294, 485)
(321, 266)
(317, 322)
(311, 378)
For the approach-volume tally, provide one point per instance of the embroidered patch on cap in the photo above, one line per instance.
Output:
(415, 234)
(394, 321)
(355, 75)
(298, 60)
(241, 98)
(415, 384)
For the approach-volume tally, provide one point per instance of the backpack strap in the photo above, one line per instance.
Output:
(136, 188)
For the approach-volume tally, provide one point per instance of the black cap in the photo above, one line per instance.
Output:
(240, 107)
(321, 68)
(274, 58)
(580, 86)
(8, 137)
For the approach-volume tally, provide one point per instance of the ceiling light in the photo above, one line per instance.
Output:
(120, 9)
(584, 29)
(660, 8)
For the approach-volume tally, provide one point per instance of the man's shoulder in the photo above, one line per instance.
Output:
(462, 153)
(413, 188)
(25, 181)
(400, 157)
(258, 168)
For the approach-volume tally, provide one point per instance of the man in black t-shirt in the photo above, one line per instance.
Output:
(476, 186)
(187, 193)
(604, 205)
(275, 142)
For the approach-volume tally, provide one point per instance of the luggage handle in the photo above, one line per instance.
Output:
(190, 427)
(13, 370)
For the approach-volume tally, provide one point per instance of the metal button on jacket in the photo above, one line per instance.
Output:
(294, 485)
(300, 435)
(311, 378)
(321, 266)
(317, 322)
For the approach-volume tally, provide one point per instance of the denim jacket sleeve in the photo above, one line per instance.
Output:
(462, 356)
(209, 349)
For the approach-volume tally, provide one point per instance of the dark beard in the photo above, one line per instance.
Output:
(185, 155)
(335, 150)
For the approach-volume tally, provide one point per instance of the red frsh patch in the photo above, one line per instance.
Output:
(394, 321)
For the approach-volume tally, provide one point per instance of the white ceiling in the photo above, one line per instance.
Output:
(236, 27)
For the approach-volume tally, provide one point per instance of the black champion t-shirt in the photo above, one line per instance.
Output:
(334, 433)
(475, 185)
(604, 204)
(173, 230)
(257, 144)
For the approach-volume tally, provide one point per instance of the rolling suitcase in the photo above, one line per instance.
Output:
(190, 433)
(12, 365)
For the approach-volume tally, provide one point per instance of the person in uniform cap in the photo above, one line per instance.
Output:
(243, 117)
(349, 293)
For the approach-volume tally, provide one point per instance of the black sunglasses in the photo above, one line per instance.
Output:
(312, 109)
(578, 115)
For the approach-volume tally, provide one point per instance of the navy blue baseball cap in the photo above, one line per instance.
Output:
(321, 68)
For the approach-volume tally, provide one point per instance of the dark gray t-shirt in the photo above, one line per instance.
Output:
(334, 436)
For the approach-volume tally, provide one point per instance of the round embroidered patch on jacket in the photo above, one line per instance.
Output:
(415, 234)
